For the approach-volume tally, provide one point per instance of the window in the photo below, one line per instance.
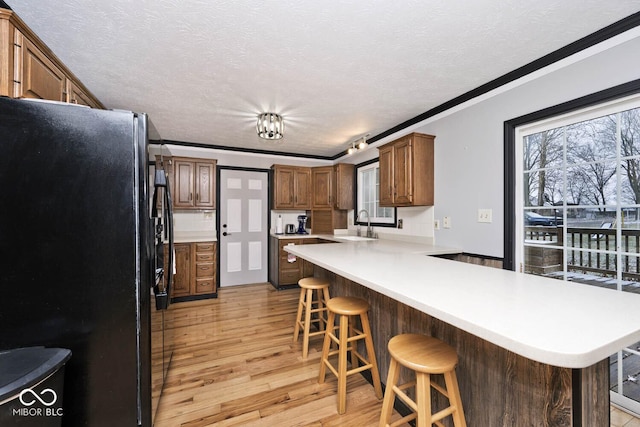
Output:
(578, 210)
(368, 196)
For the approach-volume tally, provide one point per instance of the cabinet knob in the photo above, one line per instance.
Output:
(226, 234)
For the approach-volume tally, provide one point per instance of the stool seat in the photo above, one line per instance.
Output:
(348, 306)
(313, 283)
(309, 306)
(423, 354)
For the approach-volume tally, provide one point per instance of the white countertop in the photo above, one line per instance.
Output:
(550, 321)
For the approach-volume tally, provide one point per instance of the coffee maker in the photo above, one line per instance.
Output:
(302, 222)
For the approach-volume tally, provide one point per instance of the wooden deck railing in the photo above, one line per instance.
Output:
(596, 239)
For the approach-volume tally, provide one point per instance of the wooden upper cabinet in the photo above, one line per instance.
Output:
(193, 183)
(183, 177)
(333, 186)
(36, 75)
(342, 193)
(29, 69)
(322, 178)
(386, 175)
(205, 184)
(291, 187)
(403, 172)
(283, 178)
(77, 95)
(406, 171)
(302, 188)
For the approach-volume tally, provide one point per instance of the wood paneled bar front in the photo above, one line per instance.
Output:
(515, 368)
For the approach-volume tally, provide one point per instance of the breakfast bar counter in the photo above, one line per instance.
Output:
(533, 350)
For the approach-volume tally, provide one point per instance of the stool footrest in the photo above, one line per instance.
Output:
(403, 420)
(444, 413)
(440, 389)
(398, 390)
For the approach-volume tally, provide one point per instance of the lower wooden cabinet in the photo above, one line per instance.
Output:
(282, 271)
(182, 277)
(205, 268)
(195, 270)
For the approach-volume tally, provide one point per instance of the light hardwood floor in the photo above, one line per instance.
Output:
(235, 364)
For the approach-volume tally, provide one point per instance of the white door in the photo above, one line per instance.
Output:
(243, 214)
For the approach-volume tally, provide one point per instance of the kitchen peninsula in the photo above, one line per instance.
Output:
(533, 351)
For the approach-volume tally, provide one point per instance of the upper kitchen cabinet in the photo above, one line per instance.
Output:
(342, 193)
(333, 186)
(321, 178)
(406, 171)
(194, 183)
(29, 69)
(291, 187)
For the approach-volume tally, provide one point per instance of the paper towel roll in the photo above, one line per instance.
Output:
(279, 225)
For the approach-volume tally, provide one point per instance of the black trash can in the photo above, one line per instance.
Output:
(31, 386)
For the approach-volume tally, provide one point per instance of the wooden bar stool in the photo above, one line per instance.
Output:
(306, 302)
(426, 356)
(347, 341)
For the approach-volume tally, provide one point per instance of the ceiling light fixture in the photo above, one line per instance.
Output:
(358, 144)
(270, 126)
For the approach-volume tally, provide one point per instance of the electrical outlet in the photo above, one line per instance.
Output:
(400, 223)
(446, 222)
(436, 224)
(485, 215)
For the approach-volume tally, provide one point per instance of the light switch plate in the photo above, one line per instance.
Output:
(436, 224)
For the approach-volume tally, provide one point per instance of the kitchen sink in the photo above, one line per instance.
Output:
(353, 238)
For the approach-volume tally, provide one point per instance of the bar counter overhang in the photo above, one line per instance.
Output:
(533, 351)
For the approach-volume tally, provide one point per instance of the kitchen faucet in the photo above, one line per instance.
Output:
(369, 229)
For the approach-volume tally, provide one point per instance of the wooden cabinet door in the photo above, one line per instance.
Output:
(289, 272)
(37, 76)
(205, 184)
(342, 193)
(283, 178)
(322, 191)
(386, 175)
(76, 95)
(302, 188)
(182, 278)
(403, 172)
(182, 190)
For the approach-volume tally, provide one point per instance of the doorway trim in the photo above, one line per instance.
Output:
(219, 207)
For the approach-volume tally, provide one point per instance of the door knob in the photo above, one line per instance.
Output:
(224, 233)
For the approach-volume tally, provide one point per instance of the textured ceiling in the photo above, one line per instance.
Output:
(205, 69)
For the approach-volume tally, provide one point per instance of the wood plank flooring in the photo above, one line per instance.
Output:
(235, 364)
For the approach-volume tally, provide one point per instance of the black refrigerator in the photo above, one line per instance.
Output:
(77, 252)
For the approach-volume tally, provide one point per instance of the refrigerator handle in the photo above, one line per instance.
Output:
(169, 230)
